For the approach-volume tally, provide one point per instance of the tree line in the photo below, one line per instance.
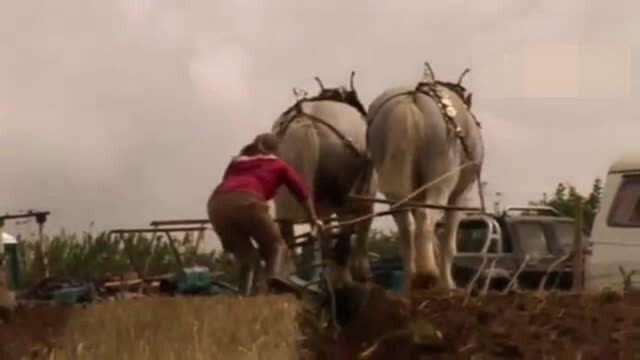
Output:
(564, 201)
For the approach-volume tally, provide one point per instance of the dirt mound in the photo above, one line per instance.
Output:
(536, 325)
(516, 325)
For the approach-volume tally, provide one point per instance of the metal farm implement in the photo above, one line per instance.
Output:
(190, 278)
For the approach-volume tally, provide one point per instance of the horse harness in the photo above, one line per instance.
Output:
(336, 95)
(434, 90)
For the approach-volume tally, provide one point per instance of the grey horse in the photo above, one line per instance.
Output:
(324, 139)
(417, 135)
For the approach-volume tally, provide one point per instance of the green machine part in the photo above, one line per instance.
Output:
(12, 264)
(193, 280)
(74, 295)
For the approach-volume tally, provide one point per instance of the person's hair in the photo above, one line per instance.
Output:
(250, 150)
(264, 144)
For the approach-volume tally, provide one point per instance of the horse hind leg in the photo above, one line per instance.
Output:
(341, 255)
(359, 253)
(336, 251)
(425, 237)
(360, 266)
(407, 249)
(427, 273)
(448, 248)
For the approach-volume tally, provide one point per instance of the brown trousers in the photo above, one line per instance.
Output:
(237, 217)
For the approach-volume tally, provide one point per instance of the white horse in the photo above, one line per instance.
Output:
(324, 139)
(417, 135)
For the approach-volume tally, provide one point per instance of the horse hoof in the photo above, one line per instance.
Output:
(363, 277)
(424, 282)
(348, 301)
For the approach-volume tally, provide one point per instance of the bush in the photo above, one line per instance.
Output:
(384, 243)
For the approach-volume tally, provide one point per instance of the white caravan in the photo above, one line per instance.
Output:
(616, 230)
(7, 296)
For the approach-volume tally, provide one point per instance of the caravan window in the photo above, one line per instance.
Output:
(625, 210)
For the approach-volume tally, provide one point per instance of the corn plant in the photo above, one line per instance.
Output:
(627, 281)
(89, 257)
(383, 243)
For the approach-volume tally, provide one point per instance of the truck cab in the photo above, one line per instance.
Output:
(525, 239)
(616, 228)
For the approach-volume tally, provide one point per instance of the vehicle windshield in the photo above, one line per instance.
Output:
(625, 210)
(472, 236)
(532, 239)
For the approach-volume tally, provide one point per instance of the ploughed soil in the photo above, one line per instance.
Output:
(494, 326)
(379, 326)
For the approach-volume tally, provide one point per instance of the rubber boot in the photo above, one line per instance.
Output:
(260, 286)
(247, 273)
(277, 274)
(277, 263)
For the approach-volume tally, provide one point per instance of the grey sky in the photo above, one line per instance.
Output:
(125, 111)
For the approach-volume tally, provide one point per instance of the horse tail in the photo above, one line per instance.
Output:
(365, 181)
(397, 167)
(300, 148)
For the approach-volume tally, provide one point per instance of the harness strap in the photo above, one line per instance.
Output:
(448, 113)
(360, 184)
(370, 118)
(315, 119)
(431, 91)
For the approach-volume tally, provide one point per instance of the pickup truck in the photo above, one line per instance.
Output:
(528, 240)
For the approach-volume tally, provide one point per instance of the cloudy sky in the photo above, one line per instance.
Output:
(124, 111)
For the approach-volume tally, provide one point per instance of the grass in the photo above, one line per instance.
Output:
(155, 328)
(148, 328)
(160, 328)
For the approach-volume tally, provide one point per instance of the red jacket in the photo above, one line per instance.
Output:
(262, 175)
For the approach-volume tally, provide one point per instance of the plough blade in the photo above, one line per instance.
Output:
(294, 285)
